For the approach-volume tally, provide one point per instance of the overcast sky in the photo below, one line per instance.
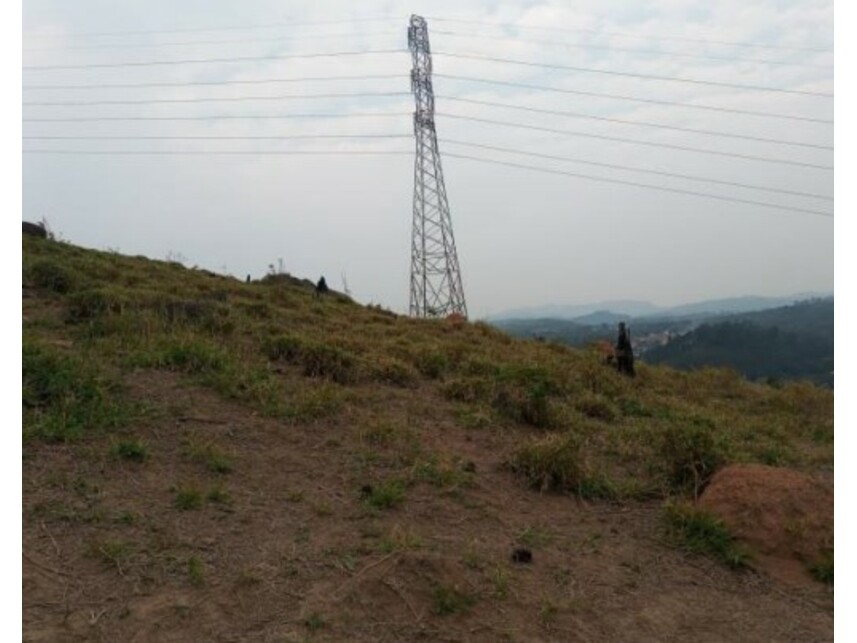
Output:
(524, 238)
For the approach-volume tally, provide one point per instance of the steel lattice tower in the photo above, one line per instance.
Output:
(436, 289)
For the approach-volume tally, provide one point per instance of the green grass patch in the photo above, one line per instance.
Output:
(64, 396)
(385, 495)
(188, 498)
(822, 569)
(449, 599)
(700, 532)
(134, 450)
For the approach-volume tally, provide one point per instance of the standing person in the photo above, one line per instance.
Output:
(321, 287)
(624, 352)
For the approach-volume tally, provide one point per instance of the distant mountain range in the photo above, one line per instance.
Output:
(612, 311)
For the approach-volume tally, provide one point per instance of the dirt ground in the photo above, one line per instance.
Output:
(283, 549)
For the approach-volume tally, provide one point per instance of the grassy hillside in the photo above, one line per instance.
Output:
(205, 458)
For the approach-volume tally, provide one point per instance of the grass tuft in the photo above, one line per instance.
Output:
(701, 532)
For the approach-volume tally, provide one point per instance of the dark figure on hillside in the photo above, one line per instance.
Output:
(624, 352)
(321, 287)
(34, 229)
(248, 279)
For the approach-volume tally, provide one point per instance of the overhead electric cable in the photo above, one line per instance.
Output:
(658, 38)
(636, 99)
(227, 99)
(629, 168)
(218, 152)
(275, 25)
(608, 119)
(610, 72)
(684, 148)
(194, 61)
(229, 41)
(649, 52)
(198, 83)
(269, 137)
(639, 185)
(241, 117)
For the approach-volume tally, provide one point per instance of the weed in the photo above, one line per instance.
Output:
(449, 599)
(188, 498)
(195, 571)
(499, 578)
(208, 454)
(822, 569)
(314, 622)
(400, 539)
(131, 450)
(701, 532)
(113, 552)
(385, 495)
(219, 495)
(535, 536)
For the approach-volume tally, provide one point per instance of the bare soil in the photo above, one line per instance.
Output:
(296, 555)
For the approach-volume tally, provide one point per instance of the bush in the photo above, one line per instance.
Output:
(553, 463)
(433, 363)
(283, 347)
(385, 495)
(528, 406)
(331, 362)
(468, 389)
(691, 453)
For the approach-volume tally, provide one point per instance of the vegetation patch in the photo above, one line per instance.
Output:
(449, 599)
(822, 569)
(384, 495)
(700, 532)
(64, 396)
(50, 275)
(691, 452)
(134, 450)
(552, 463)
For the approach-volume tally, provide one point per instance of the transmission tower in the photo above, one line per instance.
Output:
(436, 289)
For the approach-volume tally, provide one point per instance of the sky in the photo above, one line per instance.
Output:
(524, 238)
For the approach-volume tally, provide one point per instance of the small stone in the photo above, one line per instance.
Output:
(522, 555)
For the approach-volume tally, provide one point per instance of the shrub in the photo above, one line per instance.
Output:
(331, 362)
(193, 356)
(432, 363)
(554, 462)
(822, 569)
(188, 498)
(691, 453)
(468, 389)
(528, 406)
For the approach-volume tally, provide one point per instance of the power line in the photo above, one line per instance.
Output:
(658, 38)
(633, 99)
(192, 61)
(260, 81)
(229, 41)
(218, 152)
(640, 123)
(614, 166)
(639, 185)
(284, 137)
(91, 119)
(212, 100)
(215, 29)
(684, 148)
(650, 52)
(675, 79)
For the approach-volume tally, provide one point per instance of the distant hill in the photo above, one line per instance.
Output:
(791, 342)
(639, 309)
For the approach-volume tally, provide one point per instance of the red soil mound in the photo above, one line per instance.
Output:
(784, 516)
